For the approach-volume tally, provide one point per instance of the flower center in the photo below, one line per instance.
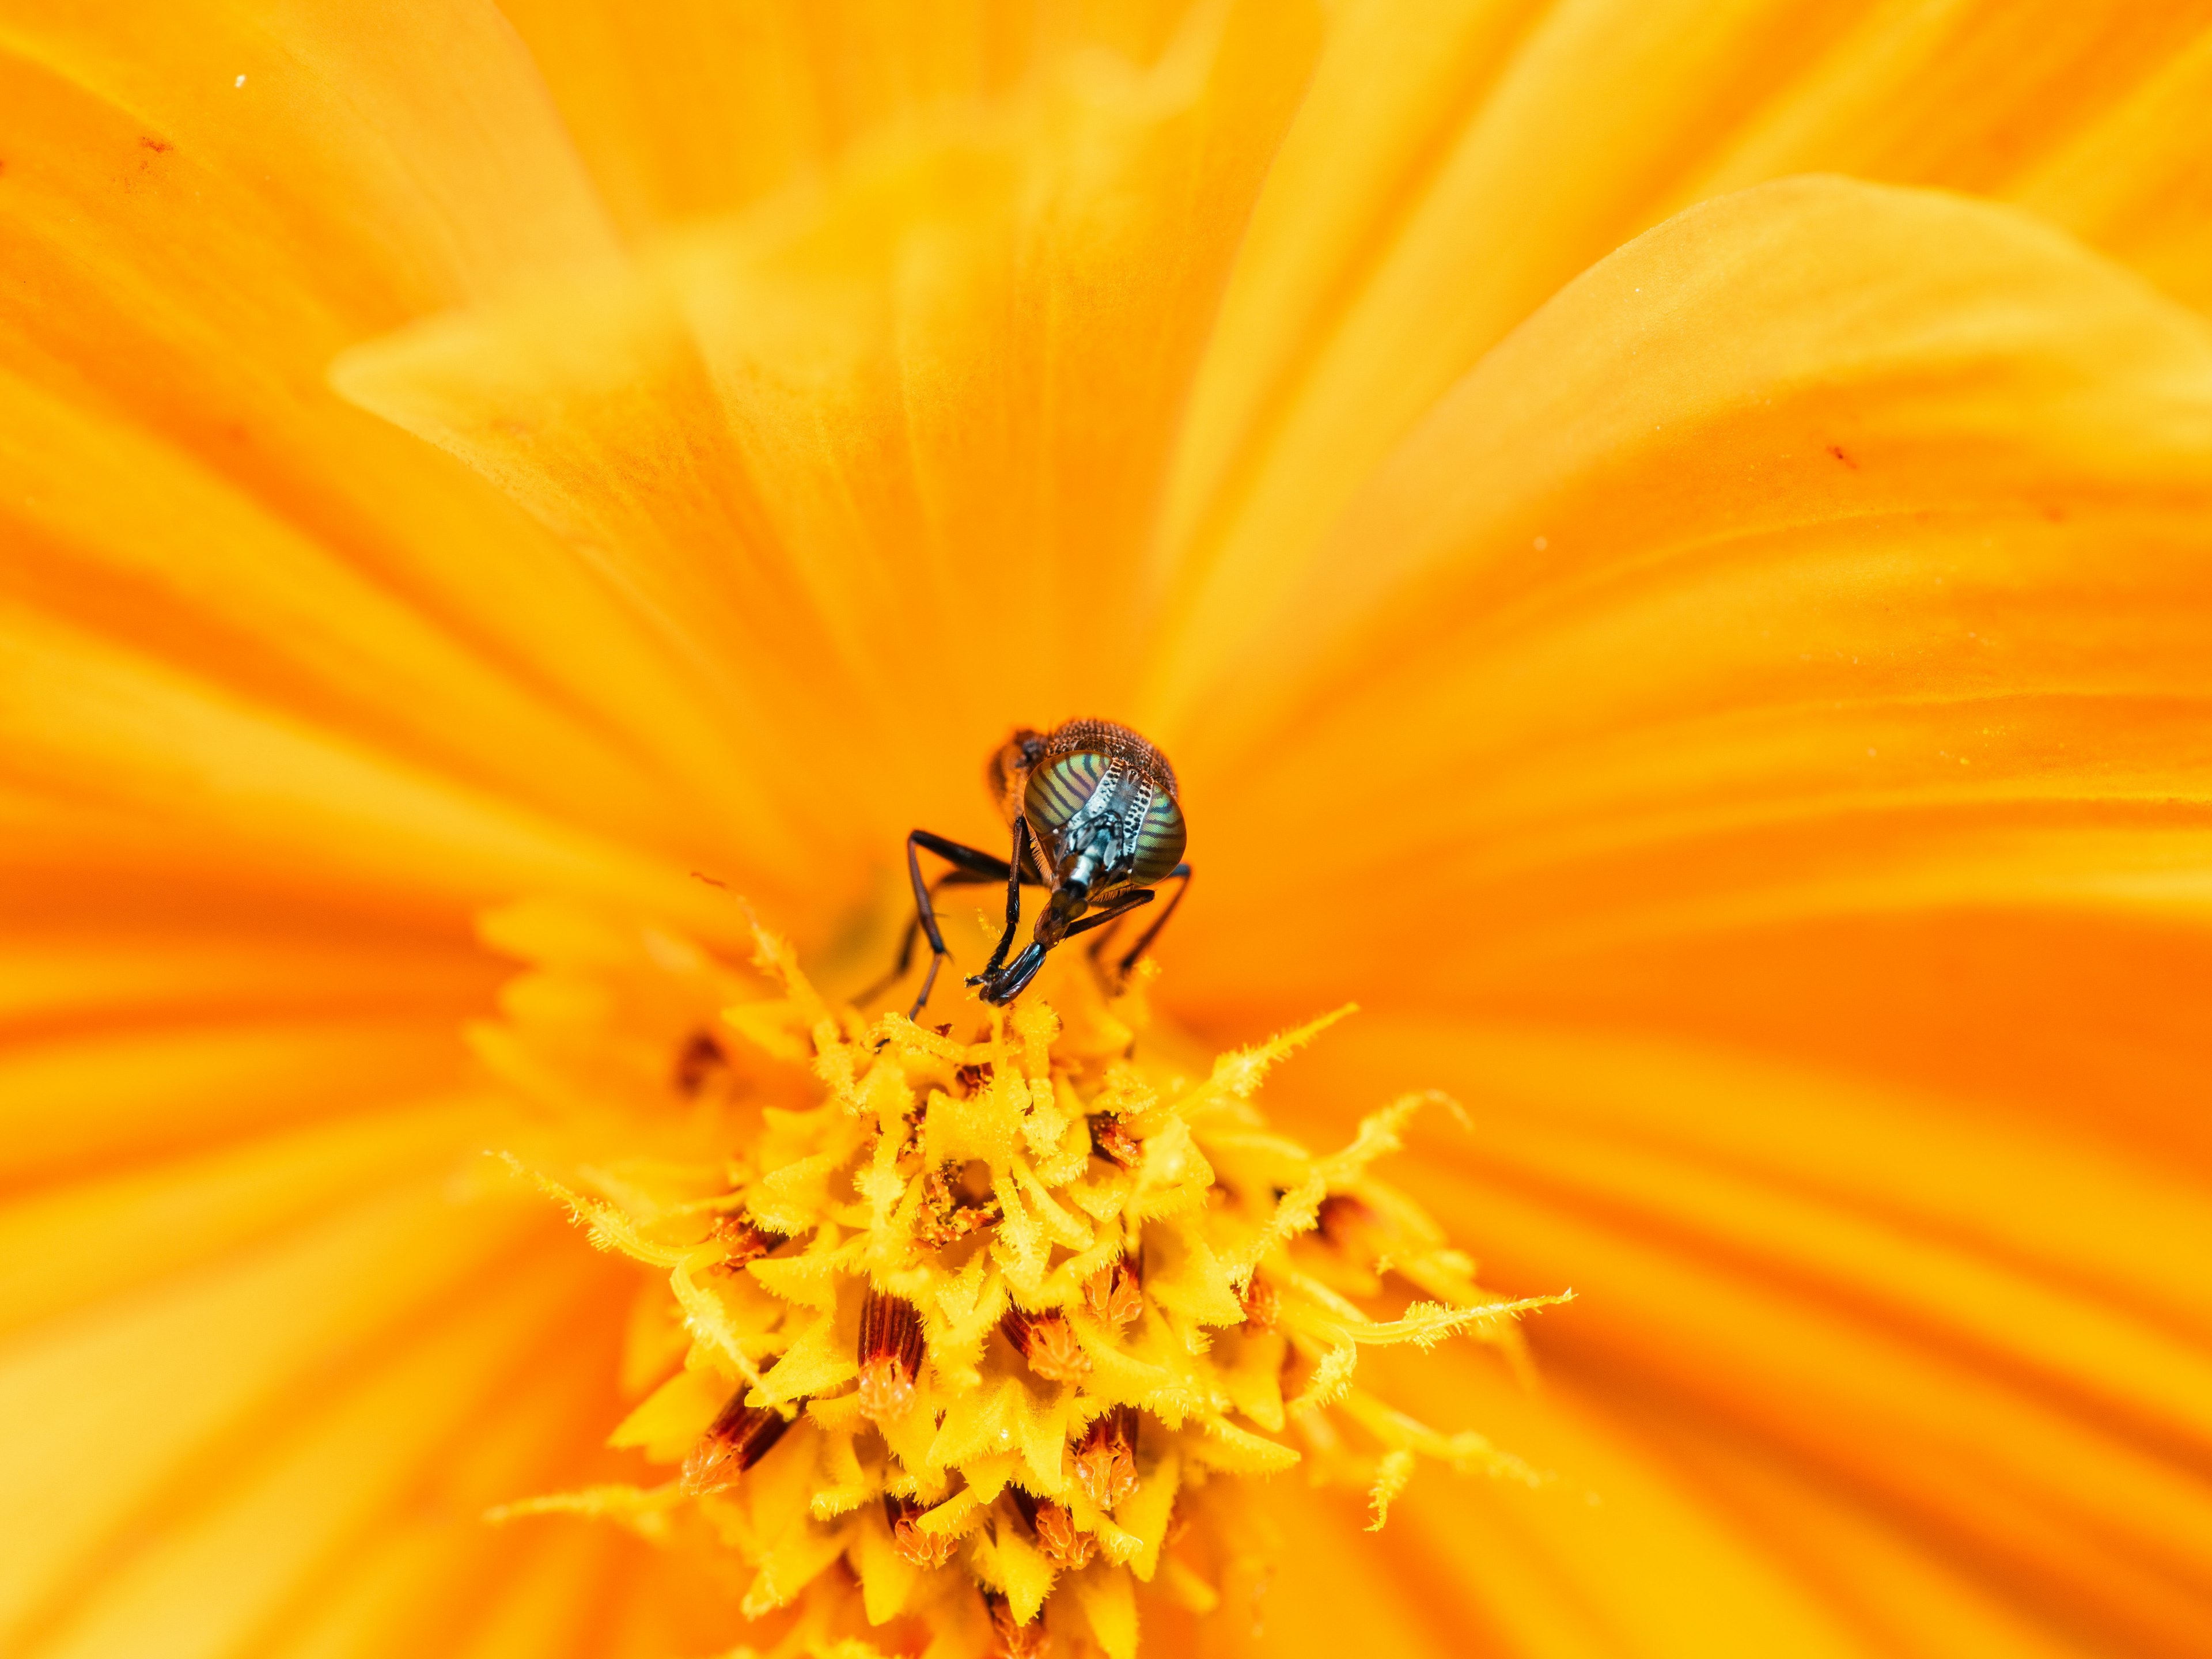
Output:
(1003, 1315)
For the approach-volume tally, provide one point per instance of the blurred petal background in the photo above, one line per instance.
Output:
(1668, 544)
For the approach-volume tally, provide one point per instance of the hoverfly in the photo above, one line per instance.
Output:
(1095, 823)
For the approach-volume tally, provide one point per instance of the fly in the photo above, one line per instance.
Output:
(1095, 823)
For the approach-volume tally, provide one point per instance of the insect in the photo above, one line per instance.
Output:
(1095, 823)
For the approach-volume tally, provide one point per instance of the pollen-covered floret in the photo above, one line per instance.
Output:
(998, 1314)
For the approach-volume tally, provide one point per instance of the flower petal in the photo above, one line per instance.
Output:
(72, 1243)
(182, 1367)
(1654, 1518)
(1832, 547)
(244, 1551)
(416, 143)
(86, 721)
(150, 235)
(1980, 1333)
(2134, 181)
(687, 111)
(137, 540)
(1855, 1093)
(1400, 237)
(73, 1101)
(826, 444)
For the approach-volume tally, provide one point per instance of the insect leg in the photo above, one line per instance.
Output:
(1180, 875)
(949, 879)
(1013, 900)
(1115, 910)
(976, 863)
(1003, 986)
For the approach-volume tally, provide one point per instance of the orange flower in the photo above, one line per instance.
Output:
(1730, 717)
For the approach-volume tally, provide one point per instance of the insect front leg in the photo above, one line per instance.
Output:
(1113, 912)
(949, 879)
(1003, 986)
(1014, 861)
(975, 864)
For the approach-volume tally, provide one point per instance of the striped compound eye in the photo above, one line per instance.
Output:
(1111, 806)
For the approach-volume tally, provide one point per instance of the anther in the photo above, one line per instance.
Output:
(1015, 1640)
(697, 1058)
(1178, 1521)
(1062, 1543)
(1339, 1213)
(743, 1239)
(739, 1437)
(1106, 1458)
(956, 1202)
(1111, 1140)
(891, 1354)
(1116, 1292)
(923, 1549)
(1059, 1541)
(1262, 1304)
(1048, 1342)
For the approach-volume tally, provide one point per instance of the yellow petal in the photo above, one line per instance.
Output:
(418, 145)
(1625, 1553)
(88, 719)
(1824, 506)
(1972, 1327)
(809, 438)
(231, 1348)
(70, 1101)
(179, 292)
(236, 592)
(676, 1414)
(235, 1562)
(1108, 1602)
(75, 970)
(687, 111)
(1529, 142)
(70, 1244)
(2134, 179)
